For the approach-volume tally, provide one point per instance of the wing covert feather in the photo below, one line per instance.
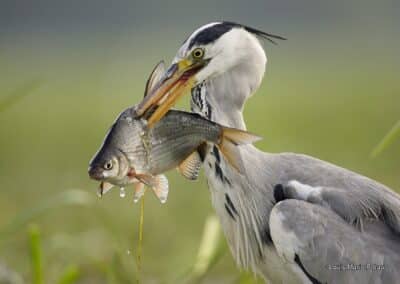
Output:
(323, 248)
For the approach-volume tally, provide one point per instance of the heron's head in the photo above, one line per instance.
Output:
(214, 50)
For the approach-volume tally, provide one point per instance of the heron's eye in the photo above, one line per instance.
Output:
(198, 53)
(108, 165)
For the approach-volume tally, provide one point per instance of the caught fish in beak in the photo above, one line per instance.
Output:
(132, 153)
(177, 80)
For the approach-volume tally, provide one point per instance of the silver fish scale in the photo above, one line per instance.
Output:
(136, 143)
(178, 135)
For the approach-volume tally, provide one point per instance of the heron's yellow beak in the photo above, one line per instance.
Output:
(177, 80)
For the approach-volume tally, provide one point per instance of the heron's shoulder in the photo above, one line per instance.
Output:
(322, 173)
(290, 157)
(317, 173)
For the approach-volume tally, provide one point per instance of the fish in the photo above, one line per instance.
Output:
(133, 153)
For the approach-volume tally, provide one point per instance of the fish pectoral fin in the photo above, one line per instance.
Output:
(160, 187)
(190, 167)
(139, 191)
(231, 138)
(104, 188)
(158, 183)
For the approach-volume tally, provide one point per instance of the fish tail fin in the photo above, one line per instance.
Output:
(239, 137)
(160, 187)
(230, 139)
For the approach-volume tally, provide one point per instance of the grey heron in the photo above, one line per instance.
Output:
(288, 217)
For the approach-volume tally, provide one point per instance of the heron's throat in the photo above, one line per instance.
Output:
(222, 98)
(219, 103)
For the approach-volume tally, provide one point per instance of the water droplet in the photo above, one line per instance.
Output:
(163, 199)
(128, 252)
(122, 193)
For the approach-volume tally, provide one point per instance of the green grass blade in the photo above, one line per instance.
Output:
(19, 93)
(248, 278)
(35, 254)
(210, 249)
(118, 272)
(70, 275)
(389, 138)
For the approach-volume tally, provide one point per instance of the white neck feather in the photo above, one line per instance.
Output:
(227, 92)
(221, 97)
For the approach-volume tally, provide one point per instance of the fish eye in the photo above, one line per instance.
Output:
(198, 53)
(108, 165)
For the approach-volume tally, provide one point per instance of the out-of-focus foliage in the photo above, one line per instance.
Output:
(18, 94)
(70, 275)
(389, 139)
(330, 91)
(210, 250)
(36, 255)
(210, 247)
(69, 197)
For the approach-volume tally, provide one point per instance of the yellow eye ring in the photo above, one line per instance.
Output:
(198, 53)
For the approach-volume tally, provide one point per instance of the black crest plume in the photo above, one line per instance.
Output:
(214, 32)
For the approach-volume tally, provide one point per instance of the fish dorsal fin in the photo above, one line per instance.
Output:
(154, 77)
(190, 167)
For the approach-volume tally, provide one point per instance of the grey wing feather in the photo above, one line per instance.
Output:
(352, 196)
(321, 247)
(354, 205)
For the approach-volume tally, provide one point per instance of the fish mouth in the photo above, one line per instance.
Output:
(95, 173)
(106, 184)
(103, 188)
(177, 80)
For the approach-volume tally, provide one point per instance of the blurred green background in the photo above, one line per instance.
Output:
(67, 68)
